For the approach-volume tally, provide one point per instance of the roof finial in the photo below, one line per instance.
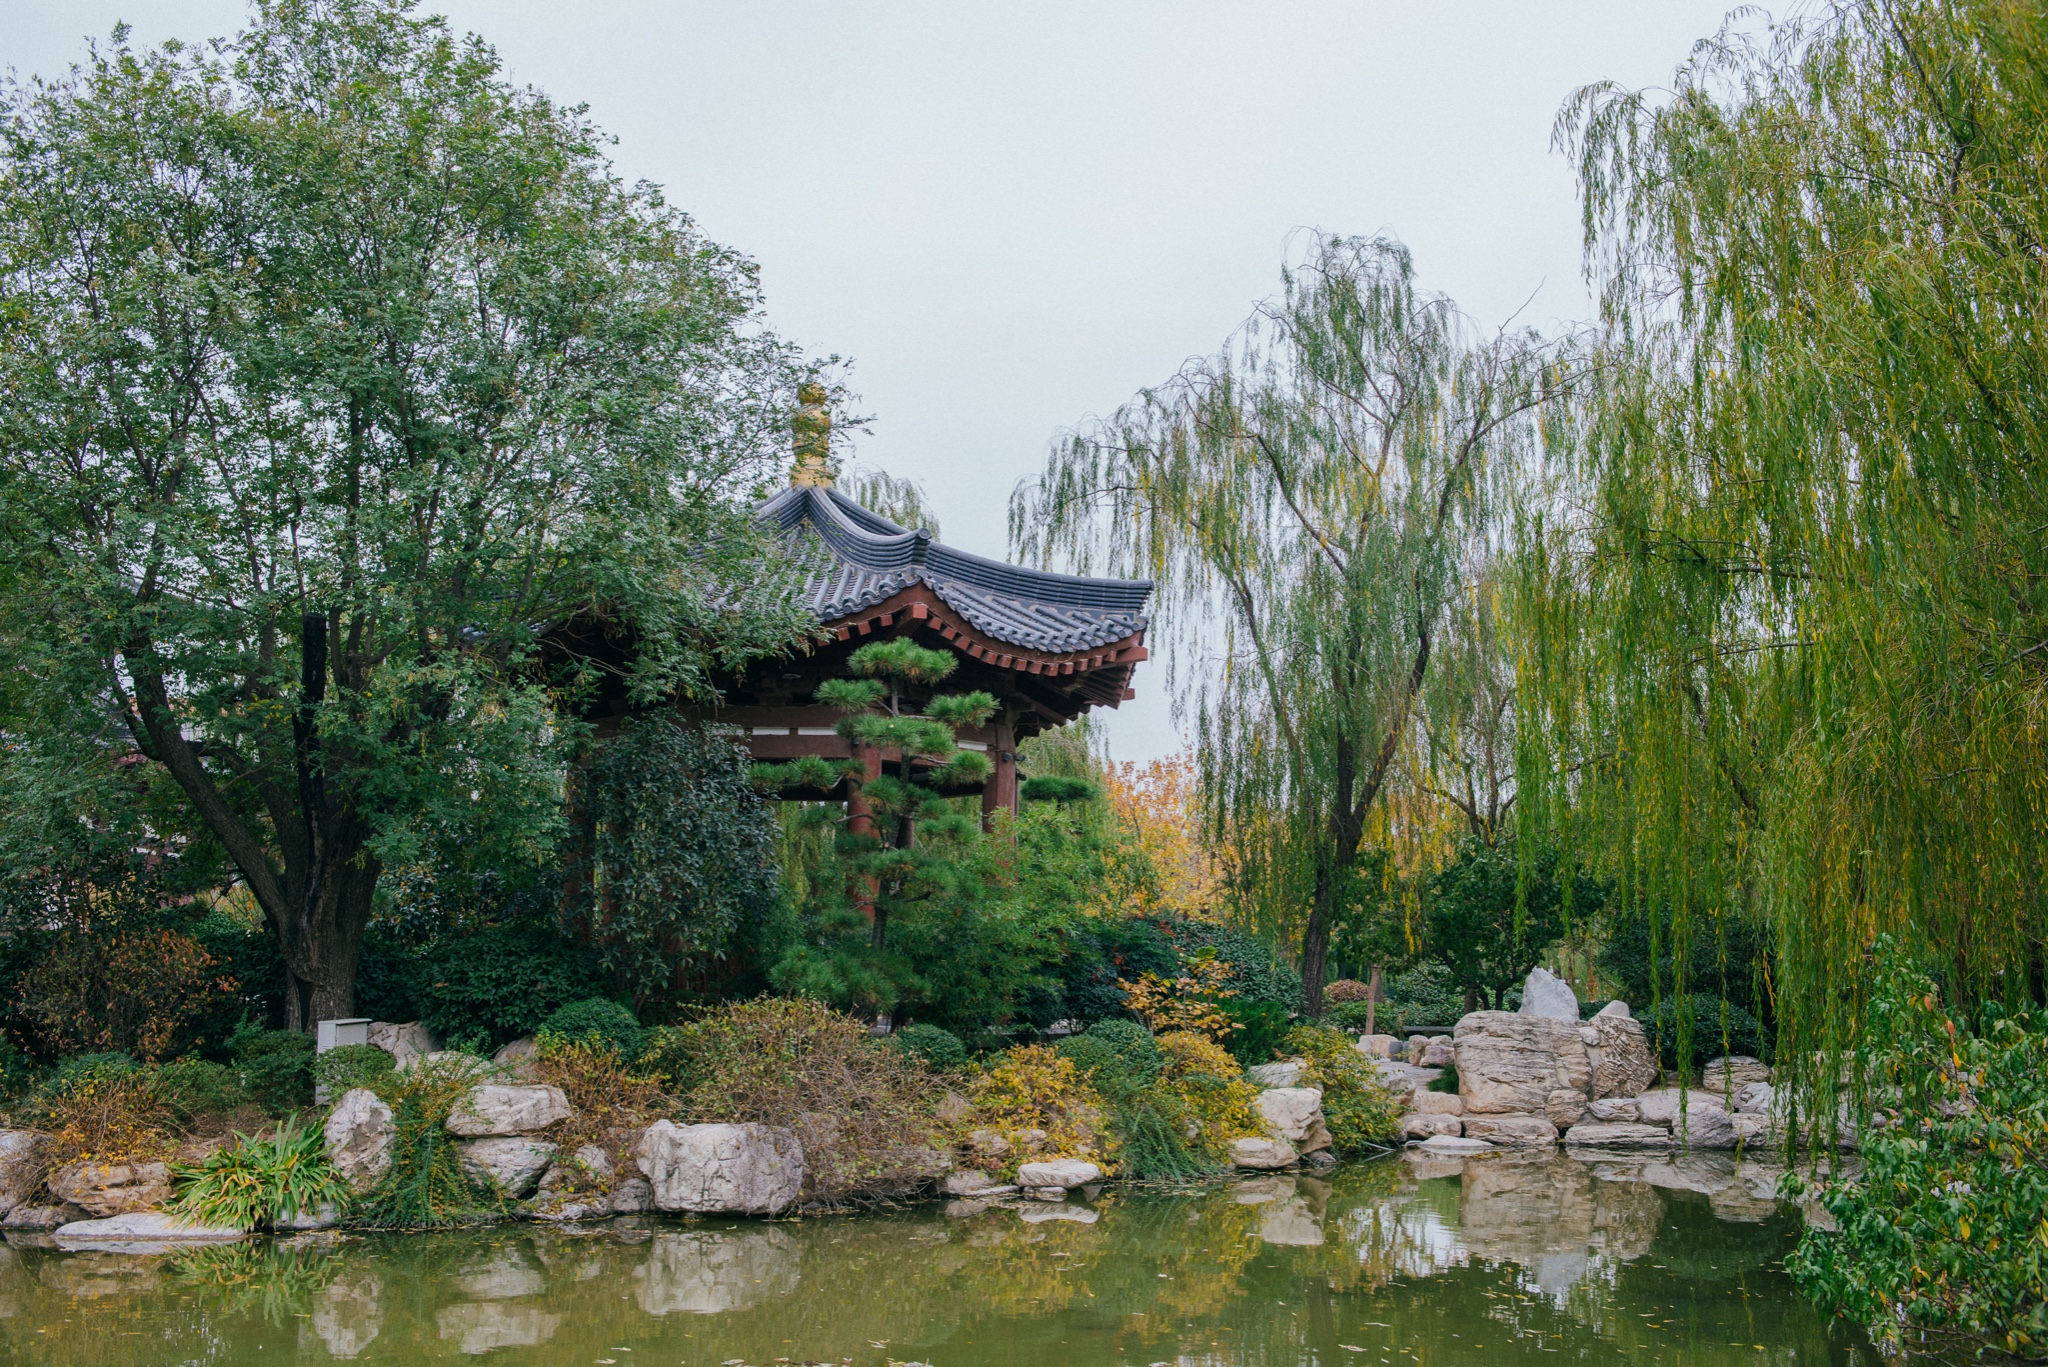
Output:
(813, 428)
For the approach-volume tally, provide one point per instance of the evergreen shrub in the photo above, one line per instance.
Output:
(196, 1090)
(597, 1020)
(275, 1067)
(1745, 1035)
(939, 1048)
(1361, 1111)
(351, 1066)
(500, 983)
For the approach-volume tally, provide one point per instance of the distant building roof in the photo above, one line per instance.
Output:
(872, 559)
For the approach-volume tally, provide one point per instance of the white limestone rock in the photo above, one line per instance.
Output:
(1732, 1071)
(631, 1196)
(1060, 1173)
(21, 1171)
(359, 1134)
(1439, 1051)
(1512, 1064)
(510, 1163)
(968, 1182)
(1379, 1046)
(145, 1231)
(1617, 1135)
(1285, 1073)
(1511, 1131)
(1295, 1114)
(1622, 1062)
(108, 1189)
(1439, 1103)
(1418, 1125)
(1617, 1007)
(1547, 995)
(1661, 1107)
(405, 1043)
(1262, 1155)
(1616, 1110)
(1452, 1145)
(743, 1169)
(496, 1109)
(1755, 1098)
(518, 1057)
(29, 1215)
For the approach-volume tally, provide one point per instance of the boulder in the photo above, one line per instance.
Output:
(631, 1197)
(1617, 1007)
(1751, 1128)
(1755, 1098)
(1439, 1103)
(1403, 1079)
(1512, 1064)
(989, 1144)
(1379, 1046)
(405, 1043)
(513, 1165)
(1262, 1155)
(953, 1108)
(1285, 1073)
(149, 1227)
(1620, 1055)
(1707, 1127)
(1617, 1110)
(1439, 1051)
(112, 1188)
(495, 1109)
(1295, 1114)
(29, 1216)
(1062, 1173)
(1730, 1072)
(1512, 1131)
(1618, 1135)
(744, 1169)
(359, 1134)
(518, 1057)
(1547, 995)
(1661, 1107)
(1565, 1107)
(21, 1171)
(968, 1182)
(1453, 1145)
(1417, 1125)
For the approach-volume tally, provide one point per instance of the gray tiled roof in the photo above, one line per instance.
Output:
(869, 558)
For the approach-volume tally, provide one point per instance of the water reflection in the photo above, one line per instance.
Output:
(1463, 1261)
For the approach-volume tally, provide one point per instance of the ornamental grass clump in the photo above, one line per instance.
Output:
(1151, 1122)
(268, 1181)
(426, 1186)
(1362, 1113)
(861, 1107)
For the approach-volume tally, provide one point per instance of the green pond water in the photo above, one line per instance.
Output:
(1404, 1261)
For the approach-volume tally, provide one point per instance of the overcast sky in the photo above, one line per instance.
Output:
(1014, 216)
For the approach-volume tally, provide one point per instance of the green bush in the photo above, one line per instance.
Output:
(1362, 1112)
(1261, 976)
(939, 1048)
(596, 1020)
(500, 983)
(1121, 1055)
(17, 1073)
(275, 1067)
(1262, 1029)
(1744, 1035)
(350, 1066)
(1426, 994)
(261, 1181)
(194, 1088)
(666, 1054)
(426, 1186)
(1351, 1016)
(81, 1067)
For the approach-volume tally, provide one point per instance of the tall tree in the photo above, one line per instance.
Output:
(335, 366)
(1311, 499)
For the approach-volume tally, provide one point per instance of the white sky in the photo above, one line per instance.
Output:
(1014, 216)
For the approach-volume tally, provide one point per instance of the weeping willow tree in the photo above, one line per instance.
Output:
(1786, 611)
(1310, 499)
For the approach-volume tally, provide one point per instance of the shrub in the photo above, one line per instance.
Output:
(596, 1020)
(17, 1073)
(1345, 990)
(1100, 960)
(938, 1048)
(1745, 1035)
(1260, 1028)
(861, 1107)
(1209, 1088)
(1191, 1000)
(1354, 1016)
(1361, 1111)
(426, 1187)
(1256, 973)
(351, 1066)
(261, 1181)
(197, 1090)
(609, 1102)
(139, 992)
(1119, 1056)
(500, 983)
(1034, 1087)
(103, 1109)
(275, 1067)
(1426, 994)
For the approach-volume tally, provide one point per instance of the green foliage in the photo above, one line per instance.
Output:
(336, 294)
(350, 1066)
(1257, 973)
(17, 1072)
(1101, 955)
(1725, 956)
(1262, 1027)
(1490, 919)
(275, 1067)
(682, 855)
(1937, 1248)
(1056, 788)
(1363, 1114)
(1694, 1026)
(940, 1049)
(598, 1021)
(500, 983)
(195, 1089)
(1121, 1056)
(1426, 994)
(266, 1181)
(426, 1187)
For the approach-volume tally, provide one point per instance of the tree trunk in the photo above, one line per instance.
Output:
(1471, 999)
(1315, 946)
(1372, 1002)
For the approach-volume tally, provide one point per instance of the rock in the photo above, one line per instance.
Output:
(1512, 1064)
(1564, 1107)
(744, 1169)
(1661, 1107)
(511, 1164)
(989, 1144)
(1620, 1054)
(1547, 995)
(953, 1108)
(1755, 1098)
(1512, 1131)
(1440, 1051)
(1732, 1071)
(1418, 1125)
(632, 1196)
(1031, 1141)
(1058, 1172)
(112, 1188)
(405, 1043)
(495, 1109)
(478, 1327)
(968, 1182)
(587, 1169)
(1285, 1073)
(1614, 1008)
(1046, 1193)
(1618, 1135)
(1452, 1144)
(1295, 1114)
(518, 1057)
(1379, 1046)
(1262, 1155)
(1439, 1103)
(1404, 1079)
(1706, 1128)
(151, 1229)
(27, 1216)
(1616, 1111)
(359, 1134)
(1751, 1128)
(21, 1172)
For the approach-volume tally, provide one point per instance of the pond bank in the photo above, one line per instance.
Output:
(1408, 1259)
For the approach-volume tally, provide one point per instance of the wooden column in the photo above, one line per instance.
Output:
(1001, 789)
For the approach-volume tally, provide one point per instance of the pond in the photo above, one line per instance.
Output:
(1404, 1261)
